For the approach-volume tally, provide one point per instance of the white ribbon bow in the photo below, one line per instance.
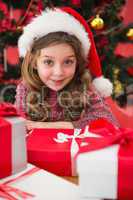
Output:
(62, 137)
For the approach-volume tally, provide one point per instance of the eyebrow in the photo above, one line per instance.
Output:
(53, 57)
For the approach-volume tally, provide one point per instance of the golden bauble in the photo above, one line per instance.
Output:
(116, 71)
(118, 88)
(130, 34)
(97, 23)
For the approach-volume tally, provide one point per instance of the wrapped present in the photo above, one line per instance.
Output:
(37, 184)
(12, 141)
(54, 149)
(105, 167)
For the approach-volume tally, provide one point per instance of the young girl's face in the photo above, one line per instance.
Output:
(56, 66)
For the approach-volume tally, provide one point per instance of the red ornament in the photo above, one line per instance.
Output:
(3, 8)
(130, 71)
(16, 14)
(124, 49)
(5, 24)
(12, 55)
(1, 71)
(76, 3)
(102, 58)
(102, 42)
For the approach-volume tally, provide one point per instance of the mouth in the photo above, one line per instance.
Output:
(57, 82)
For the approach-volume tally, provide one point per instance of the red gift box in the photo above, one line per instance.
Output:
(12, 145)
(54, 149)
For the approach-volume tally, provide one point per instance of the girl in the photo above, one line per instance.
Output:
(56, 90)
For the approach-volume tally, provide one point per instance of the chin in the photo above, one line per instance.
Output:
(56, 88)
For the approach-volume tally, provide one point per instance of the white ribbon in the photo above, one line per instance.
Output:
(62, 137)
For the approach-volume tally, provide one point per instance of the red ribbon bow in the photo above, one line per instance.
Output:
(7, 109)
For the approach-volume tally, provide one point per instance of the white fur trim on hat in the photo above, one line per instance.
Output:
(103, 86)
(52, 21)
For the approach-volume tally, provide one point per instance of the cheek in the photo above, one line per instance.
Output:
(70, 71)
(44, 73)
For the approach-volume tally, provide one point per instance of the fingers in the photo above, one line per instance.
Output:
(30, 125)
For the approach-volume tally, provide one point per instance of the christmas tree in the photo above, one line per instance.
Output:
(105, 22)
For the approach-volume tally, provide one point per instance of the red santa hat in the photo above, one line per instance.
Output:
(67, 20)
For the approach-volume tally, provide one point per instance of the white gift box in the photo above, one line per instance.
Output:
(98, 173)
(44, 185)
(18, 144)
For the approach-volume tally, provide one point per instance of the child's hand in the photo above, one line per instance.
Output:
(33, 124)
(60, 124)
(29, 125)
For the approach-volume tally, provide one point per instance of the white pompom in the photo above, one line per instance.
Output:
(103, 86)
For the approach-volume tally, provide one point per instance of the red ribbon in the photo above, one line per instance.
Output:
(123, 137)
(7, 109)
(125, 166)
(6, 190)
(6, 148)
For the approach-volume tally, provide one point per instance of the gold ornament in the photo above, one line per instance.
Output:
(130, 34)
(97, 23)
(116, 71)
(118, 88)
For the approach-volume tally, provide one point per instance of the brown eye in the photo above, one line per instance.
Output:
(69, 62)
(48, 62)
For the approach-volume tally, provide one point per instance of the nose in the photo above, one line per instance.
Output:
(58, 69)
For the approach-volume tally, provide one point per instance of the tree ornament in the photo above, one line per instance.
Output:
(12, 55)
(130, 71)
(3, 8)
(97, 23)
(118, 88)
(76, 3)
(116, 71)
(1, 71)
(130, 34)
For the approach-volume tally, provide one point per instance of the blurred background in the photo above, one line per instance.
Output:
(111, 22)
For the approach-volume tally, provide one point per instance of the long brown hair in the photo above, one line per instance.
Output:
(80, 81)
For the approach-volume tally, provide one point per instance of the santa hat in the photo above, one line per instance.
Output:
(67, 20)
